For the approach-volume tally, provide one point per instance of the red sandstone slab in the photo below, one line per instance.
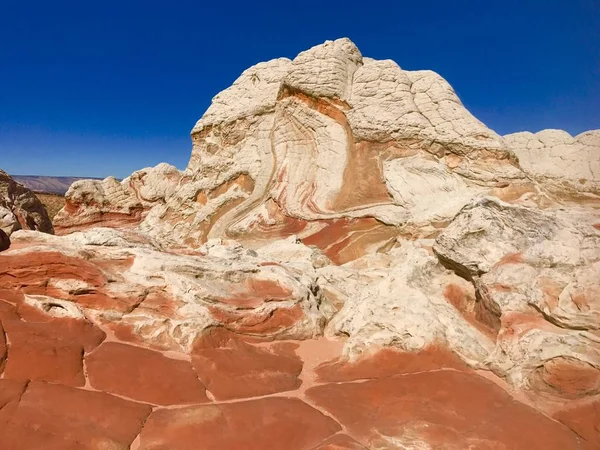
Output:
(73, 331)
(388, 362)
(36, 358)
(11, 390)
(340, 442)
(443, 408)
(50, 351)
(12, 296)
(143, 375)
(57, 417)
(584, 420)
(266, 424)
(231, 368)
(8, 311)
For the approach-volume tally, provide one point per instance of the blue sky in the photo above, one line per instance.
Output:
(105, 88)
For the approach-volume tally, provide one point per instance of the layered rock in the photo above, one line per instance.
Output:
(20, 208)
(400, 299)
(165, 300)
(117, 204)
(350, 260)
(329, 143)
(537, 275)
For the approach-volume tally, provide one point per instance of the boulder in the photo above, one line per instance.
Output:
(538, 273)
(20, 208)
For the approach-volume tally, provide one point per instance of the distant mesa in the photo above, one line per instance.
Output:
(50, 185)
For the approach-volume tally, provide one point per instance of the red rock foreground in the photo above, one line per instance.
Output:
(65, 385)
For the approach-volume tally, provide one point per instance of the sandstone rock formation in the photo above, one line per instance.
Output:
(164, 300)
(350, 260)
(20, 208)
(330, 143)
(564, 164)
(537, 275)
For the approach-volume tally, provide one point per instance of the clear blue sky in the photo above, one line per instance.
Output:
(97, 88)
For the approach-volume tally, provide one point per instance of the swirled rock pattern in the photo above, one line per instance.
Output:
(350, 260)
(330, 142)
(166, 300)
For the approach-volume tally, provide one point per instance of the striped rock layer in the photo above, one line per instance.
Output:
(337, 149)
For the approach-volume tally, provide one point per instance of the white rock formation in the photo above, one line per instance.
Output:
(397, 299)
(538, 273)
(292, 145)
(561, 162)
(163, 298)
